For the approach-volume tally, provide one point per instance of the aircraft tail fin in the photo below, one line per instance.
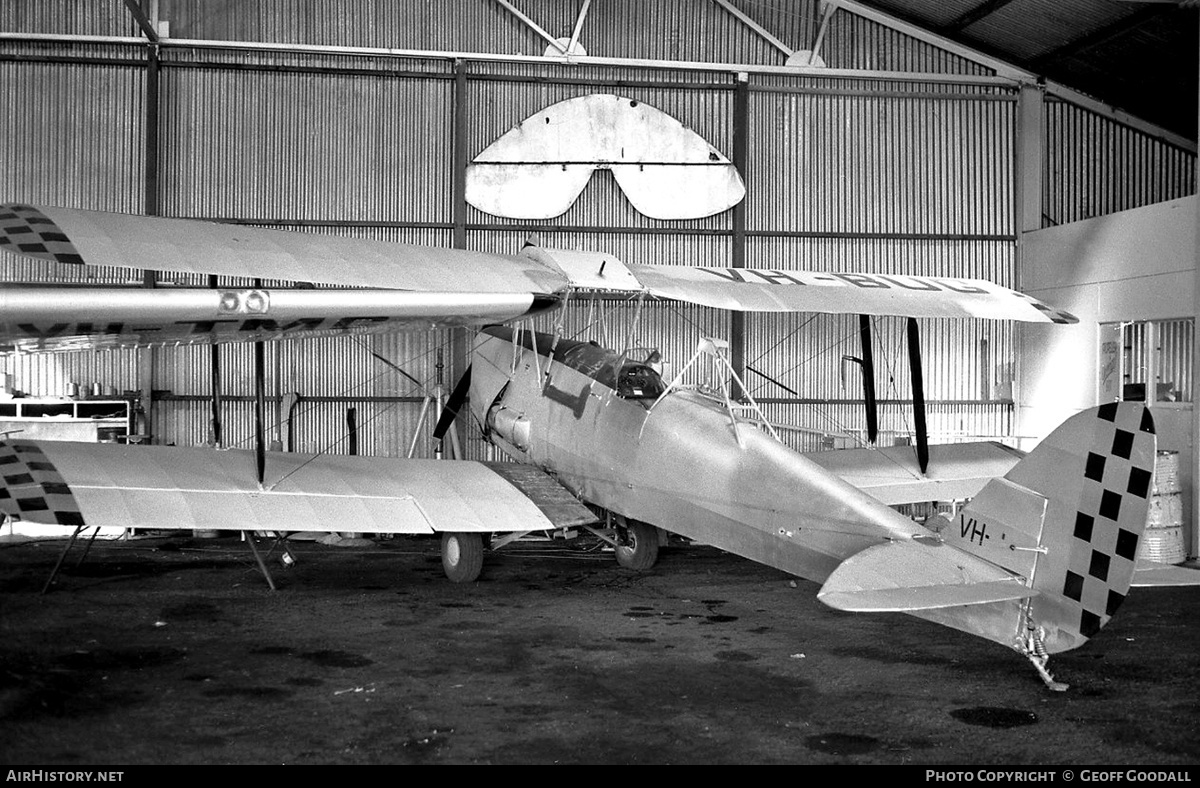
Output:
(1068, 518)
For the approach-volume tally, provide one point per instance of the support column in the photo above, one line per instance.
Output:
(460, 346)
(741, 157)
(149, 356)
(1028, 164)
(1192, 542)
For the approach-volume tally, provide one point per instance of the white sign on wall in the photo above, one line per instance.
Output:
(538, 169)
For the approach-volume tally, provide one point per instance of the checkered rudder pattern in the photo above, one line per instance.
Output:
(26, 230)
(32, 489)
(1111, 514)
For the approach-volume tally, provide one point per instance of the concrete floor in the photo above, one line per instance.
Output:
(174, 651)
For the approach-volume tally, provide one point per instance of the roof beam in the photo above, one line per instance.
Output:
(143, 21)
(974, 15)
(1002, 68)
(1007, 75)
(583, 12)
(1019, 75)
(534, 26)
(1097, 37)
(938, 78)
(756, 27)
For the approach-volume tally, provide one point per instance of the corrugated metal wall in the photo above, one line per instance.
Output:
(1096, 166)
(850, 174)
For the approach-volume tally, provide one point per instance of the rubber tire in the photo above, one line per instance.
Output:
(640, 551)
(462, 556)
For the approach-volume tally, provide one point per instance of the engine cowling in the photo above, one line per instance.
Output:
(510, 426)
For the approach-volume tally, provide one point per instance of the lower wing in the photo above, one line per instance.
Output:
(166, 487)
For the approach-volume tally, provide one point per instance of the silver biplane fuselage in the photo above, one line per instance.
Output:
(681, 462)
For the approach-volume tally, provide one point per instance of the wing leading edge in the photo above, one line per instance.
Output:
(57, 318)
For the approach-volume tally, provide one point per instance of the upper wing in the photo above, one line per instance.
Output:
(188, 246)
(891, 474)
(360, 285)
(349, 285)
(759, 290)
(165, 487)
(762, 290)
(69, 318)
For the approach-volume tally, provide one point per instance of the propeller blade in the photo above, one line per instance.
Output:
(453, 405)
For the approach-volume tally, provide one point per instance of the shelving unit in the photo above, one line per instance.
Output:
(96, 421)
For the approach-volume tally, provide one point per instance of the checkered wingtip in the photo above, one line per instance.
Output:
(27, 231)
(32, 489)
(1052, 315)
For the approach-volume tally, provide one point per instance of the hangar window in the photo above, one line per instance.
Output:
(1147, 361)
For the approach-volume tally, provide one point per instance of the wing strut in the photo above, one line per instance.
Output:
(260, 447)
(260, 409)
(868, 378)
(918, 392)
(215, 384)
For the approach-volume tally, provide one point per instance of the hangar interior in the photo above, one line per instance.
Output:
(1015, 142)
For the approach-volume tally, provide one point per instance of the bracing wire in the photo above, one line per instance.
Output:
(347, 392)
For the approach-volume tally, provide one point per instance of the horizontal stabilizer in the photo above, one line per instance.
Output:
(1153, 575)
(901, 600)
(913, 575)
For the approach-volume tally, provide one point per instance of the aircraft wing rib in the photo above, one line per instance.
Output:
(165, 487)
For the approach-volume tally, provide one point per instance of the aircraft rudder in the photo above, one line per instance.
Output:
(1071, 514)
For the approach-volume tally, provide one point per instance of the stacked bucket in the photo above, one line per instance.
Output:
(1162, 541)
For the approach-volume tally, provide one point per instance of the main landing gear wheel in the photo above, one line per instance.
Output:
(637, 544)
(462, 556)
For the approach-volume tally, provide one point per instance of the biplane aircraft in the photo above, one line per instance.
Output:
(1039, 560)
